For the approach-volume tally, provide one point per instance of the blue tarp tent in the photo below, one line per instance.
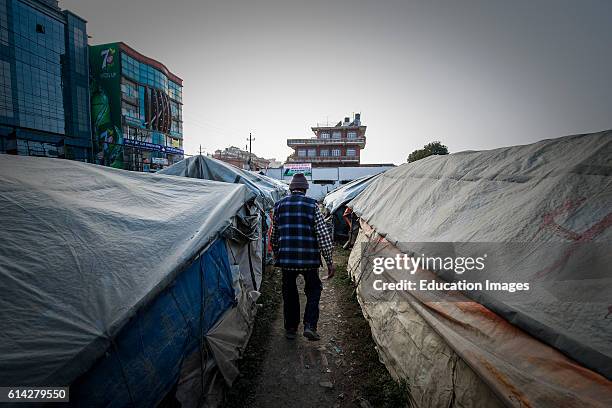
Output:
(121, 285)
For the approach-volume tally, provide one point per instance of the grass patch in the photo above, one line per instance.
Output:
(242, 391)
(371, 378)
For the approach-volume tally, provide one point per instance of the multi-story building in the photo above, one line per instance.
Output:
(332, 146)
(44, 81)
(136, 109)
(241, 158)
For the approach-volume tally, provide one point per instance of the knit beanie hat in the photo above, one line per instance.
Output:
(298, 182)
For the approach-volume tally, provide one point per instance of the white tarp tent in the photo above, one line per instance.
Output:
(111, 279)
(552, 194)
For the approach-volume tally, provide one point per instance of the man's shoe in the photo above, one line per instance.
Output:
(311, 334)
(291, 334)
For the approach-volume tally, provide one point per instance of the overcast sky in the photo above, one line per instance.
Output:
(474, 74)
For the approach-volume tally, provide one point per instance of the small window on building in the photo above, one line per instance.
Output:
(351, 135)
(336, 135)
(325, 135)
(335, 152)
(324, 153)
(350, 152)
(129, 111)
(301, 153)
(312, 152)
(40, 28)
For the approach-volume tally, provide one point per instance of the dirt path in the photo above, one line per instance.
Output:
(340, 370)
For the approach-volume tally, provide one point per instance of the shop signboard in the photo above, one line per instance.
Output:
(289, 169)
(152, 146)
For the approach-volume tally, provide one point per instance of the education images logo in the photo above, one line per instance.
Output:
(403, 263)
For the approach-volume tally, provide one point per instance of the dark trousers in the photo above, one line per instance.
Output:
(291, 298)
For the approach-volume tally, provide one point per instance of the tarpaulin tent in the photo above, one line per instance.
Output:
(268, 192)
(336, 200)
(548, 347)
(267, 189)
(121, 285)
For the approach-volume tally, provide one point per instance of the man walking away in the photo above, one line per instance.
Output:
(299, 238)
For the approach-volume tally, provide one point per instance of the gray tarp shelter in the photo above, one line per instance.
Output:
(336, 200)
(267, 189)
(549, 203)
(339, 197)
(120, 284)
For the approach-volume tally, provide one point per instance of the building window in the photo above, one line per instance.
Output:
(351, 135)
(130, 111)
(325, 135)
(301, 153)
(159, 138)
(176, 91)
(335, 152)
(35, 65)
(336, 135)
(6, 91)
(80, 50)
(82, 116)
(324, 153)
(3, 23)
(350, 152)
(177, 127)
(130, 90)
(312, 152)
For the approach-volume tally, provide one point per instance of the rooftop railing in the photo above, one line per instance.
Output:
(321, 159)
(314, 141)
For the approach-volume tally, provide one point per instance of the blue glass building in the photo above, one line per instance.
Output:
(44, 81)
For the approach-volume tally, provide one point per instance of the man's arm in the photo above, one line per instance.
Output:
(324, 239)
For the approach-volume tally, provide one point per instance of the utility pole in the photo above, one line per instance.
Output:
(200, 150)
(250, 140)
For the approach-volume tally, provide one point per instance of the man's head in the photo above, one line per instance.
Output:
(298, 183)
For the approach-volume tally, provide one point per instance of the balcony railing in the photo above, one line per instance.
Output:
(360, 141)
(321, 159)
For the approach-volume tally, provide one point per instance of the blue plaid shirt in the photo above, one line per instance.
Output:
(299, 233)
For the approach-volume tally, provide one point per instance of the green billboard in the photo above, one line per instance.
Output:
(104, 63)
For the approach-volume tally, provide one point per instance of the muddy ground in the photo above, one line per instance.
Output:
(340, 370)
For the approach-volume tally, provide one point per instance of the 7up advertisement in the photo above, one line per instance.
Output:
(106, 104)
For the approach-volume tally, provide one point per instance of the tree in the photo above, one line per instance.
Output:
(429, 149)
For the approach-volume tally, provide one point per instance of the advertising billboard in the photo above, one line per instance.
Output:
(289, 169)
(104, 62)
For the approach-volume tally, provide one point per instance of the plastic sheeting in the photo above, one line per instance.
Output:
(342, 195)
(409, 347)
(86, 249)
(551, 194)
(146, 357)
(454, 352)
(268, 190)
(554, 191)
